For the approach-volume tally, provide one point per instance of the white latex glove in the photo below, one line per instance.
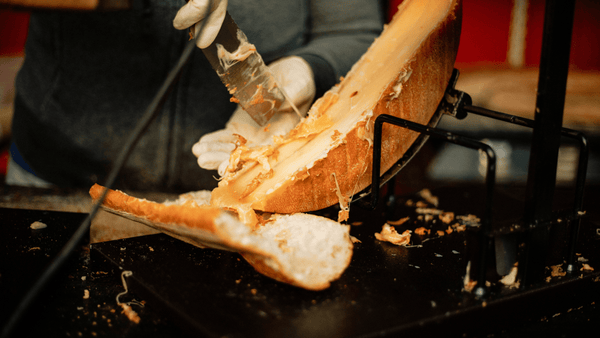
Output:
(294, 76)
(206, 15)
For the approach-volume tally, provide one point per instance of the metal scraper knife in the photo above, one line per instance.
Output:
(244, 72)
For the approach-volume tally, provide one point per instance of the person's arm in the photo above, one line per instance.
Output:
(341, 32)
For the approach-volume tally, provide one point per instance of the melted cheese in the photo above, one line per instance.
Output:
(346, 107)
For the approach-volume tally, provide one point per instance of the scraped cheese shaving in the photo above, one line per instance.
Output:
(344, 202)
(244, 50)
(389, 234)
(397, 88)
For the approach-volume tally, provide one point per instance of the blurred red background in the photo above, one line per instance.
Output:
(484, 34)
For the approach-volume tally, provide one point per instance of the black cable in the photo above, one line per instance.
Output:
(149, 115)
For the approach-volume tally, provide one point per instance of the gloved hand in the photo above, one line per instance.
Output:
(206, 15)
(295, 77)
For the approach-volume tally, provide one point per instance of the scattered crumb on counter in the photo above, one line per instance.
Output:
(470, 219)
(389, 234)
(510, 280)
(459, 227)
(398, 222)
(447, 217)
(131, 315)
(421, 204)
(468, 283)
(430, 211)
(557, 271)
(355, 240)
(422, 231)
(586, 267)
(86, 294)
(38, 225)
(428, 196)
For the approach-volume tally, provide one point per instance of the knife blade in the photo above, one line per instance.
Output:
(243, 71)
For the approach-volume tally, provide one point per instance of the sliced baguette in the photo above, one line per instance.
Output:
(327, 158)
(303, 250)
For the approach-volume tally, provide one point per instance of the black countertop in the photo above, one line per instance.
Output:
(386, 290)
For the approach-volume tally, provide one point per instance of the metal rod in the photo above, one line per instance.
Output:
(485, 230)
(541, 178)
(581, 169)
(579, 188)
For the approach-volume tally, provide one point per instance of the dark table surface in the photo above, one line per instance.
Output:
(386, 289)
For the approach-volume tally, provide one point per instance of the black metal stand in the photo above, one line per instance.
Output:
(541, 182)
(541, 179)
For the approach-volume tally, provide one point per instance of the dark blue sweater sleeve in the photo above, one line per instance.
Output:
(341, 31)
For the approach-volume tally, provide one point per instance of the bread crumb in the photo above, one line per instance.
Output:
(586, 267)
(357, 223)
(459, 227)
(422, 231)
(447, 217)
(470, 219)
(253, 291)
(38, 225)
(557, 271)
(421, 204)
(398, 222)
(354, 239)
(428, 196)
(510, 280)
(389, 234)
(430, 211)
(129, 313)
(440, 233)
(449, 230)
